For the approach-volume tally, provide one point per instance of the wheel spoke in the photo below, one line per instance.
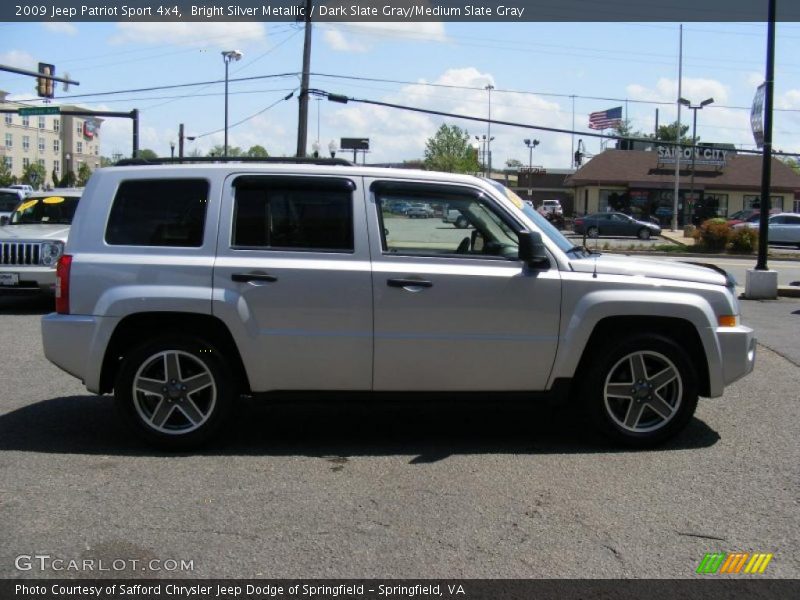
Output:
(663, 378)
(162, 413)
(661, 407)
(619, 390)
(173, 369)
(188, 408)
(197, 383)
(634, 414)
(152, 387)
(637, 367)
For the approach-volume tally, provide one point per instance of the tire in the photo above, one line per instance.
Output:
(644, 233)
(593, 232)
(461, 222)
(628, 394)
(173, 417)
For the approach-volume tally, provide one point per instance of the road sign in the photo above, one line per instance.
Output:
(757, 116)
(39, 110)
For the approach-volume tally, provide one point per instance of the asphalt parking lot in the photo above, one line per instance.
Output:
(400, 489)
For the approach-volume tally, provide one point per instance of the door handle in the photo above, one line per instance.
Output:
(402, 283)
(247, 277)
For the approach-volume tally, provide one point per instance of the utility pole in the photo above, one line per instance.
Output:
(302, 119)
(180, 140)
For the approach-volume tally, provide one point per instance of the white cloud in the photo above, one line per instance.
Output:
(222, 35)
(666, 90)
(19, 59)
(362, 36)
(60, 27)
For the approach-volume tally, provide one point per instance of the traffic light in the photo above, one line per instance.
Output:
(45, 88)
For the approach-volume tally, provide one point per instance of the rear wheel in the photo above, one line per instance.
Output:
(176, 391)
(642, 390)
(593, 232)
(461, 222)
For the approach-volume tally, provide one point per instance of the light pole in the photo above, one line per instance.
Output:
(489, 87)
(694, 108)
(315, 148)
(531, 144)
(227, 57)
(172, 149)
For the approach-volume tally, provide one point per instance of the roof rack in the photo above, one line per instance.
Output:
(127, 162)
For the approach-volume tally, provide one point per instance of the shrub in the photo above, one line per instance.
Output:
(744, 240)
(713, 234)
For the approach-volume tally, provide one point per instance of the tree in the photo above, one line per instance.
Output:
(68, 180)
(792, 163)
(6, 178)
(34, 175)
(146, 154)
(84, 172)
(625, 129)
(449, 150)
(513, 163)
(257, 152)
(106, 162)
(219, 150)
(54, 177)
(668, 133)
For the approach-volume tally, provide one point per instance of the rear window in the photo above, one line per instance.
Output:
(46, 209)
(160, 212)
(311, 214)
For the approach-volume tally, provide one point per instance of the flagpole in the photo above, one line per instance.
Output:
(572, 154)
(678, 133)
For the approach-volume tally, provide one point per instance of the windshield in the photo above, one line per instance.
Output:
(47, 210)
(543, 224)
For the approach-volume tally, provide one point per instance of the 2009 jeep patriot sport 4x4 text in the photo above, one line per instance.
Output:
(183, 286)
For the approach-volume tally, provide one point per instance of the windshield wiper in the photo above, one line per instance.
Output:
(583, 250)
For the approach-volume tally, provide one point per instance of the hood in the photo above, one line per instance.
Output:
(642, 267)
(34, 231)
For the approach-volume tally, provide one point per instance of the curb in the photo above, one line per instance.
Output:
(789, 291)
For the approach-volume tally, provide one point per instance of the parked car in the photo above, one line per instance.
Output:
(9, 198)
(748, 215)
(615, 224)
(26, 190)
(419, 211)
(32, 240)
(399, 208)
(456, 217)
(551, 207)
(184, 286)
(782, 228)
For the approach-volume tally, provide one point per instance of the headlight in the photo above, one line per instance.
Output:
(51, 252)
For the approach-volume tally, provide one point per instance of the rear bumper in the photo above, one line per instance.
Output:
(77, 344)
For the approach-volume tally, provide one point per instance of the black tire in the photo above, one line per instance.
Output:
(654, 412)
(593, 232)
(461, 222)
(644, 233)
(190, 418)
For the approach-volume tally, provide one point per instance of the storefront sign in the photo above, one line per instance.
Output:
(715, 157)
(757, 116)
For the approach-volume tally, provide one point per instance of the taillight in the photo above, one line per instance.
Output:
(578, 221)
(62, 284)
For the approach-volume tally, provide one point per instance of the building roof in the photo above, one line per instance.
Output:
(640, 169)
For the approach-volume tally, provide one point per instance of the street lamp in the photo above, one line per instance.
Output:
(227, 57)
(484, 141)
(489, 87)
(172, 149)
(531, 144)
(332, 148)
(694, 108)
(315, 148)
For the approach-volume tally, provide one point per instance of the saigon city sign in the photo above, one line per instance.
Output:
(702, 156)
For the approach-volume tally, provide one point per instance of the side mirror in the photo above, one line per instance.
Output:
(532, 251)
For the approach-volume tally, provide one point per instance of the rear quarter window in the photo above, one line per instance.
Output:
(158, 212)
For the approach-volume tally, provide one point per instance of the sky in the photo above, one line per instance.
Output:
(535, 69)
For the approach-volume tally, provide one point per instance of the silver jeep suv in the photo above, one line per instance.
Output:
(185, 286)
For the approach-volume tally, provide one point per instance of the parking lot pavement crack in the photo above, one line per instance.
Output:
(614, 551)
(701, 536)
(244, 536)
(779, 353)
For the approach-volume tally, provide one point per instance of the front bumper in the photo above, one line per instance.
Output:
(32, 280)
(738, 350)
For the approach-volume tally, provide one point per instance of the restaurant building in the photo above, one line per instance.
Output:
(642, 183)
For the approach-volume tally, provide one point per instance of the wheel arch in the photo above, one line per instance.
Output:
(142, 326)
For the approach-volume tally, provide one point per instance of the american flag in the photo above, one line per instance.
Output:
(605, 119)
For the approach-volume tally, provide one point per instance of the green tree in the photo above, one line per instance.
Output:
(669, 133)
(625, 129)
(219, 150)
(449, 150)
(513, 163)
(84, 172)
(195, 153)
(257, 152)
(106, 162)
(68, 180)
(146, 154)
(6, 178)
(34, 175)
(792, 163)
(55, 179)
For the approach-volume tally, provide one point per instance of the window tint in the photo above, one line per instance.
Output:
(293, 213)
(8, 201)
(164, 212)
(453, 223)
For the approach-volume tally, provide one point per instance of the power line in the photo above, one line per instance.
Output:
(254, 115)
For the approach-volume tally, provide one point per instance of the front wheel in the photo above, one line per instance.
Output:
(461, 222)
(176, 391)
(593, 232)
(644, 233)
(641, 390)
